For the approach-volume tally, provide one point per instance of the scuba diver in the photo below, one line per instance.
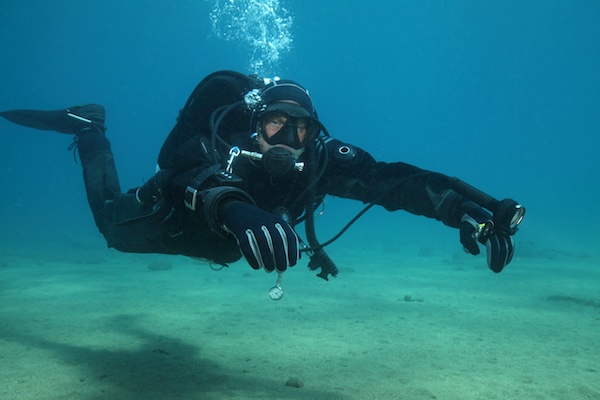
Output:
(247, 161)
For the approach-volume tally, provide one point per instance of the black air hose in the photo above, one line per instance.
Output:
(318, 257)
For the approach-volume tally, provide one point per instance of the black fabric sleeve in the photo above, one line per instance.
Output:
(353, 173)
(204, 190)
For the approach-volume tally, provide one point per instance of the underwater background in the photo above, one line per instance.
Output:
(504, 95)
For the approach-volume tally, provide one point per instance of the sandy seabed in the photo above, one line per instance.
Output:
(79, 323)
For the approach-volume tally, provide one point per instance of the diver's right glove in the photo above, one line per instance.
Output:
(265, 239)
(477, 226)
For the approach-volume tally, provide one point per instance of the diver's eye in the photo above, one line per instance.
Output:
(276, 124)
(273, 125)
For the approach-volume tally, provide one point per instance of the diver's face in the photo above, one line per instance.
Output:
(275, 122)
(291, 136)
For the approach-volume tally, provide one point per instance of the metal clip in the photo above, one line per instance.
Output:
(233, 153)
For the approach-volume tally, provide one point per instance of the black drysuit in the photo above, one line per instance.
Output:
(166, 225)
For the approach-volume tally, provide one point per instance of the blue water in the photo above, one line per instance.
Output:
(504, 95)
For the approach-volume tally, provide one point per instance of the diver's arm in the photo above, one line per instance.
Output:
(200, 192)
(205, 191)
(353, 173)
(214, 198)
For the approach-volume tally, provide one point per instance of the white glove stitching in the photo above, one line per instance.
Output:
(254, 247)
(285, 242)
(267, 234)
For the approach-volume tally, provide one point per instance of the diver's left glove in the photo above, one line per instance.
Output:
(477, 226)
(265, 239)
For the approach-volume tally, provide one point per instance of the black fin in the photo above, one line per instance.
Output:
(68, 120)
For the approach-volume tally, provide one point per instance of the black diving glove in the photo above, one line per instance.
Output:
(477, 226)
(265, 239)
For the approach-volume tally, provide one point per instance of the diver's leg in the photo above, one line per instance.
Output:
(99, 173)
(87, 124)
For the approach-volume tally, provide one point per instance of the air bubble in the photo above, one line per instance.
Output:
(264, 26)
